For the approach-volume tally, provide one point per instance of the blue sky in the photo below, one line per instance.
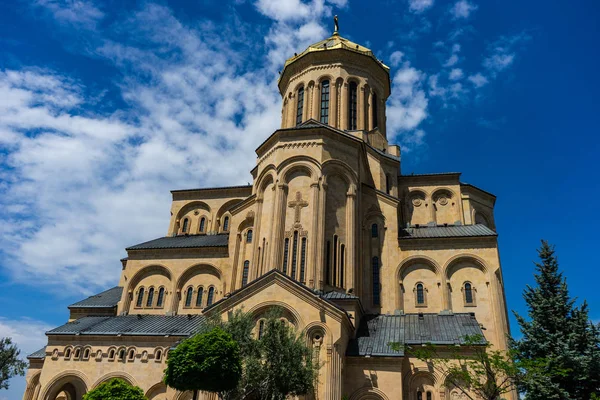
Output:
(106, 106)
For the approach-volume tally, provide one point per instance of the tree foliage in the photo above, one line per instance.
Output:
(474, 368)
(10, 364)
(559, 351)
(209, 361)
(115, 389)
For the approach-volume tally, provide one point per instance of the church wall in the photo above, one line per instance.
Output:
(435, 201)
(375, 378)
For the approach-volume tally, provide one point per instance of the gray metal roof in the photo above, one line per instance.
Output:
(212, 188)
(39, 354)
(431, 174)
(376, 332)
(184, 241)
(338, 296)
(427, 232)
(126, 325)
(108, 298)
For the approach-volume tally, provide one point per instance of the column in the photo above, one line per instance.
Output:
(278, 224)
(333, 102)
(316, 102)
(369, 111)
(334, 381)
(320, 262)
(360, 108)
(236, 260)
(351, 270)
(344, 110)
(256, 238)
(311, 265)
(291, 120)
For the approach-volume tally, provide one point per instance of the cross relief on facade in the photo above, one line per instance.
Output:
(297, 205)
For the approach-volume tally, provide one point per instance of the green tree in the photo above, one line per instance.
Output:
(208, 361)
(559, 351)
(115, 389)
(474, 368)
(10, 364)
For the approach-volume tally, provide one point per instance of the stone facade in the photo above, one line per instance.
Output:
(329, 209)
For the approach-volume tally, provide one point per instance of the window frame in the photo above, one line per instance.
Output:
(423, 290)
(299, 105)
(325, 94)
(473, 302)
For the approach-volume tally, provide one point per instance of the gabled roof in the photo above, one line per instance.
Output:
(184, 242)
(108, 298)
(133, 325)
(377, 332)
(38, 354)
(430, 232)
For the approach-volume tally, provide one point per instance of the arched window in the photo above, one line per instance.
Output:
(202, 224)
(140, 298)
(429, 395)
(111, 354)
(261, 328)
(77, 353)
(161, 297)
(226, 224)
(328, 263)
(342, 266)
(300, 105)
(303, 260)
(245, 273)
(199, 296)
(122, 354)
(150, 297)
(131, 354)
(388, 184)
(184, 228)
(335, 260)
(419, 396)
(469, 298)
(188, 297)
(249, 236)
(86, 354)
(158, 355)
(325, 102)
(376, 286)
(420, 294)
(352, 107)
(374, 231)
(68, 353)
(294, 255)
(211, 296)
(286, 249)
(375, 111)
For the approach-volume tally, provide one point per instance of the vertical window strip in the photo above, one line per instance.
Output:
(199, 296)
(261, 328)
(161, 297)
(202, 224)
(211, 296)
(374, 231)
(249, 236)
(185, 225)
(300, 106)
(376, 285)
(294, 255)
(342, 259)
(335, 260)
(468, 293)
(286, 249)
(375, 111)
(226, 224)
(325, 102)
(328, 263)
(352, 107)
(150, 297)
(428, 395)
(303, 260)
(245, 273)
(188, 297)
(140, 299)
(420, 294)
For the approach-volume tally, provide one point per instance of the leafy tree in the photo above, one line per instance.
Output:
(10, 364)
(115, 389)
(208, 361)
(560, 348)
(473, 368)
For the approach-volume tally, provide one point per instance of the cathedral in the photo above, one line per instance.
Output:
(356, 255)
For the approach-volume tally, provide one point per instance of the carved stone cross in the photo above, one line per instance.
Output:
(297, 205)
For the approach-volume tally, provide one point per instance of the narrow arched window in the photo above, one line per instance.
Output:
(111, 354)
(325, 102)
(211, 296)
(249, 236)
(199, 296)
(202, 224)
(374, 231)
(121, 354)
(161, 297)
(188, 297)
(294, 255)
(429, 395)
(245, 272)
(86, 354)
(226, 224)
(286, 249)
(158, 355)
(419, 396)
(150, 297)
(352, 107)
(388, 184)
(303, 260)
(342, 266)
(68, 353)
(420, 294)
(328, 263)
(376, 285)
(468, 293)
(335, 260)
(140, 298)
(77, 353)
(131, 354)
(261, 328)
(184, 228)
(300, 106)
(375, 110)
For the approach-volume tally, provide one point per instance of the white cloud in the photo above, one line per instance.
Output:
(462, 9)
(478, 80)
(456, 74)
(396, 58)
(418, 6)
(82, 13)
(499, 61)
(502, 52)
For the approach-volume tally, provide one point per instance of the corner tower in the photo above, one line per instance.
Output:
(337, 82)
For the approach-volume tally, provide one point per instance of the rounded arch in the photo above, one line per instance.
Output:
(313, 327)
(298, 163)
(147, 271)
(117, 374)
(268, 175)
(191, 206)
(156, 390)
(441, 190)
(338, 167)
(368, 393)
(405, 265)
(227, 206)
(265, 306)
(325, 77)
(454, 263)
(32, 384)
(198, 269)
(76, 382)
